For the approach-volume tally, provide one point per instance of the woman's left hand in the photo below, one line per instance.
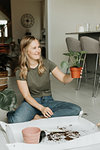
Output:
(47, 112)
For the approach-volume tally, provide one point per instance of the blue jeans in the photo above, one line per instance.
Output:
(26, 112)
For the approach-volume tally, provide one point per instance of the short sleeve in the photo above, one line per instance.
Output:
(17, 75)
(52, 65)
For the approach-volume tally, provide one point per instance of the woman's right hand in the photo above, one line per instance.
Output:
(47, 112)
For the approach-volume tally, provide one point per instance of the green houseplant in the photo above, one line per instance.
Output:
(75, 62)
(5, 60)
(8, 98)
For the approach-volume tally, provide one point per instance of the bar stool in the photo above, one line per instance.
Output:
(98, 82)
(91, 46)
(74, 45)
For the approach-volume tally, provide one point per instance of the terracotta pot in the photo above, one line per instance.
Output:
(75, 72)
(4, 48)
(31, 135)
(3, 80)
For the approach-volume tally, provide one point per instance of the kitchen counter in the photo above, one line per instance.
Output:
(92, 34)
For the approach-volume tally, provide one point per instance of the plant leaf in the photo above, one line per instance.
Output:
(64, 64)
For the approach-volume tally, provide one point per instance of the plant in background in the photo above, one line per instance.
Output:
(5, 59)
(75, 60)
(8, 98)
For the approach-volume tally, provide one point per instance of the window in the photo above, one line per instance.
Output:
(3, 28)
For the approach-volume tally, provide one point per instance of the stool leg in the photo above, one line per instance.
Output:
(97, 87)
(67, 68)
(79, 80)
(95, 75)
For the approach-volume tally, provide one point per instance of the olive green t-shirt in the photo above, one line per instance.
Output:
(39, 85)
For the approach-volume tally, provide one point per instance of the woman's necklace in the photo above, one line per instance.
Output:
(33, 65)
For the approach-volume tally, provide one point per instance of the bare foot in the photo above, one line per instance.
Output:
(98, 124)
(38, 117)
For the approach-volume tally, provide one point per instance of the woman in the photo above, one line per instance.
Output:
(33, 79)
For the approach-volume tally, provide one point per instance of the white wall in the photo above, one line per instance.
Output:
(20, 7)
(64, 16)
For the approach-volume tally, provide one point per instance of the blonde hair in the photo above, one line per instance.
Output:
(23, 59)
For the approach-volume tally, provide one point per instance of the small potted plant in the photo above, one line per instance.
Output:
(5, 60)
(74, 62)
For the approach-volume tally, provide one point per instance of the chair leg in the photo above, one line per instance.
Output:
(97, 88)
(85, 72)
(98, 80)
(95, 76)
(79, 80)
(67, 68)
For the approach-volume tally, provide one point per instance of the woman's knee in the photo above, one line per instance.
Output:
(21, 115)
(66, 109)
(12, 118)
(77, 109)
